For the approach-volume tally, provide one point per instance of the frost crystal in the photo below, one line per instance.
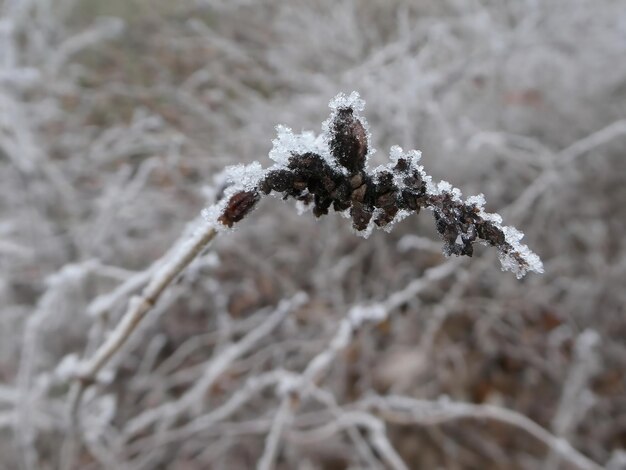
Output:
(478, 200)
(341, 101)
(444, 187)
(495, 218)
(245, 177)
(520, 260)
(287, 144)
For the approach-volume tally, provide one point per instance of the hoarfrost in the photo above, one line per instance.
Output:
(412, 156)
(245, 177)
(401, 215)
(360, 314)
(478, 200)
(212, 213)
(67, 367)
(456, 194)
(512, 235)
(241, 178)
(444, 186)
(287, 144)
(510, 260)
(302, 208)
(341, 101)
(495, 218)
(396, 153)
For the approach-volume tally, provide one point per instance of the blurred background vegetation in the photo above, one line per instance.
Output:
(115, 118)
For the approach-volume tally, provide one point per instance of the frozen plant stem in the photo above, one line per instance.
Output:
(331, 171)
(320, 172)
(138, 306)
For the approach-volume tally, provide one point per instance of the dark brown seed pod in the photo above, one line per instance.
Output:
(349, 142)
(238, 206)
(361, 216)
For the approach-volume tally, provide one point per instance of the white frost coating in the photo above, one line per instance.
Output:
(478, 200)
(516, 258)
(371, 313)
(412, 156)
(212, 213)
(341, 101)
(302, 208)
(512, 235)
(287, 143)
(396, 153)
(400, 215)
(245, 177)
(510, 263)
(495, 218)
(241, 178)
(288, 384)
(445, 187)
(509, 259)
(67, 367)
(456, 194)
(430, 186)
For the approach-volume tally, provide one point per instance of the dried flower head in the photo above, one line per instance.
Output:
(331, 171)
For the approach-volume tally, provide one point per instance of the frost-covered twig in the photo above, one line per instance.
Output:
(565, 158)
(348, 419)
(403, 410)
(272, 442)
(375, 313)
(576, 398)
(331, 170)
(137, 308)
(60, 287)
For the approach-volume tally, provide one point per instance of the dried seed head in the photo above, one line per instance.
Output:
(305, 172)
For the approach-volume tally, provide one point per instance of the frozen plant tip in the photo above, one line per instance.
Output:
(331, 171)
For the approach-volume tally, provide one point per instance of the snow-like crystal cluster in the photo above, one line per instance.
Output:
(511, 260)
(478, 200)
(341, 101)
(286, 144)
